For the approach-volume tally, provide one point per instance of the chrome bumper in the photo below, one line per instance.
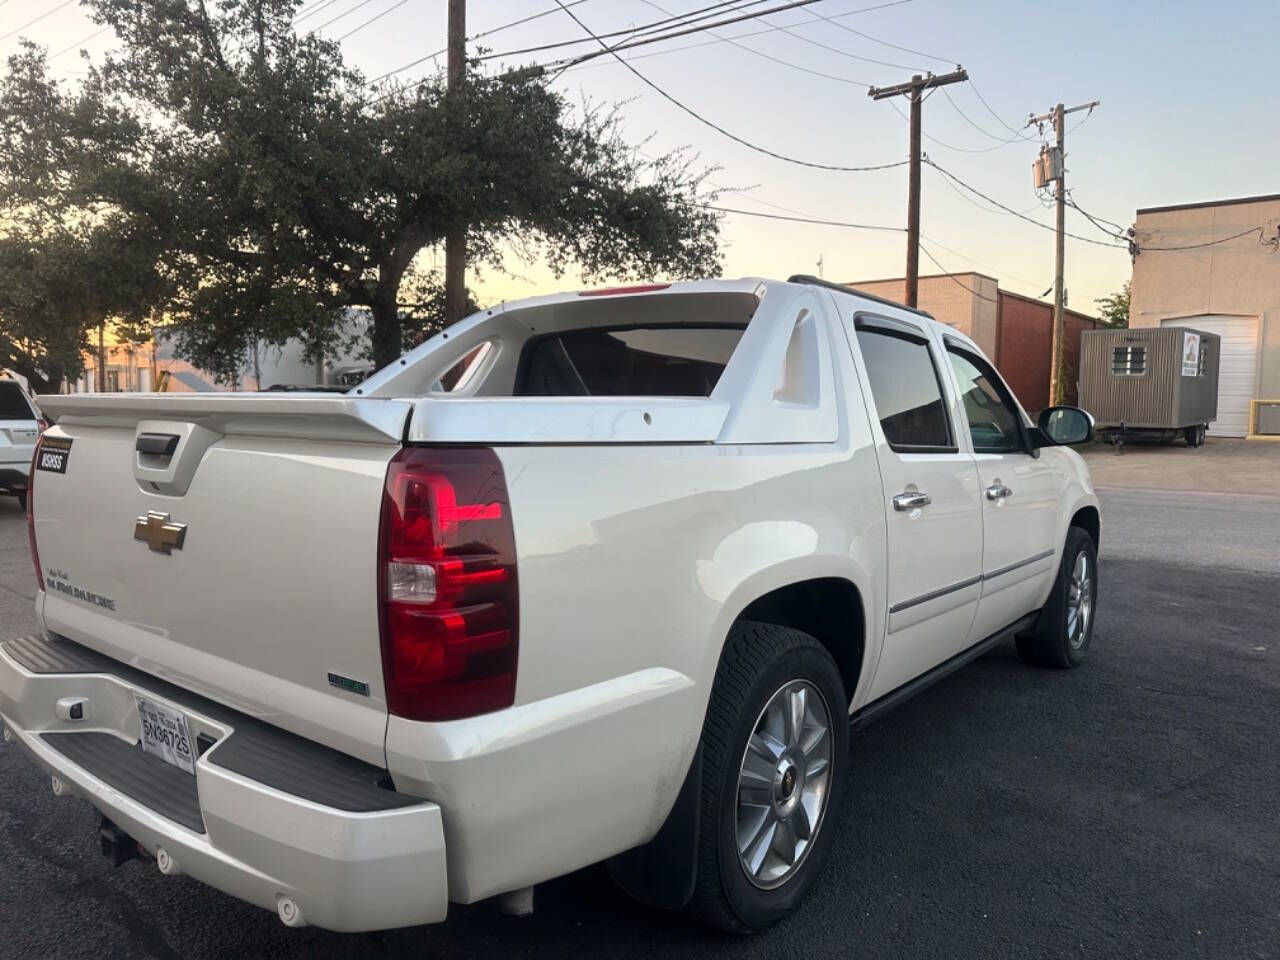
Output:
(341, 869)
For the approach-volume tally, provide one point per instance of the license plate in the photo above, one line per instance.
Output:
(165, 735)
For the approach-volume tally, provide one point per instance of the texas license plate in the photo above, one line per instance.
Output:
(165, 734)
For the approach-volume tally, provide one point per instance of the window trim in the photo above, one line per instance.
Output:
(530, 343)
(1129, 349)
(1006, 395)
(903, 330)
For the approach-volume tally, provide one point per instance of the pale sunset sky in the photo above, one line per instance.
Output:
(1188, 113)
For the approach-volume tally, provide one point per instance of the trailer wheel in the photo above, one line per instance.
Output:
(1195, 435)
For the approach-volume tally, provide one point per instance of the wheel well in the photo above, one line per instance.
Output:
(830, 610)
(1087, 519)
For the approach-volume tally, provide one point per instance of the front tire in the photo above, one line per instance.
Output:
(1064, 628)
(775, 752)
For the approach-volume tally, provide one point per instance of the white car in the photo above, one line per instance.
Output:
(595, 576)
(20, 426)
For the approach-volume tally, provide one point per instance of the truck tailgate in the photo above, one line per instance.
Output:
(243, 567)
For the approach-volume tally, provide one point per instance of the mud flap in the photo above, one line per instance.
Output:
(662, 873)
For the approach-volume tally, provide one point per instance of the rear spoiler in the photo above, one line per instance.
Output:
(294, 415)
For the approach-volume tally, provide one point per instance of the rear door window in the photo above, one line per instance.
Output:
(680, 361)
(13, 403)
(907, 391)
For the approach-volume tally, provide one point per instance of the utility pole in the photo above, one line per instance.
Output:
(1057, 171)
(455, 242)
(914, 89)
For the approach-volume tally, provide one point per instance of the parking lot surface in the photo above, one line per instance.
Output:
(1124, 809)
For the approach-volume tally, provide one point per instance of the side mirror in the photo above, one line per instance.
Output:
(1062, 426)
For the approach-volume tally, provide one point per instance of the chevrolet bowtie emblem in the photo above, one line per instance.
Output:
(158, 533)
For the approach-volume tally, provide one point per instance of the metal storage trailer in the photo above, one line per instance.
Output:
(1160, 381)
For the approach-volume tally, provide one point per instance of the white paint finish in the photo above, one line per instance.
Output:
(278, 415)
(274, 587)
(634, 559)
(1015, 530)
(498, 420)
(779, 384)
(346, 871)
(1237, 368)
(553, 785)
(933, 552)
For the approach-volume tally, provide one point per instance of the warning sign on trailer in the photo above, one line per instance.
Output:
(1190, 353)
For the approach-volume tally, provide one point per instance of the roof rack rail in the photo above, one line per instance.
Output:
(830, 285)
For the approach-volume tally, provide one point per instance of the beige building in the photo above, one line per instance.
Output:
(1216, 267)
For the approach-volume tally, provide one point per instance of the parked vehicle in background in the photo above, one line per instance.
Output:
(1152, 382)
(596, 576)
(20, 426)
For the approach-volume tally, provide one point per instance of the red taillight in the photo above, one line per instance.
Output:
(43, 424)
(447, 584)
(625, 291)
(31, 516)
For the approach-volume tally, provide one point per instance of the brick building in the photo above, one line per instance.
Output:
(1014, 331)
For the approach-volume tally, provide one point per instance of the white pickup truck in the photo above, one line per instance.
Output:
(599, 576)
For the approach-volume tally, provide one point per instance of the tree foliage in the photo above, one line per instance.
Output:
(72, 257)
(277, 187)
(1115, 307)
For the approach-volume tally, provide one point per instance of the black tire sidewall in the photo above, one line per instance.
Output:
(757, 908)
(1077, 541)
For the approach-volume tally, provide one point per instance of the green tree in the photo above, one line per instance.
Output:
(288, 188)
(72, 260)
(1115, 308)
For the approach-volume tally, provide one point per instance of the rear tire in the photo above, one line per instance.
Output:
(1064, 628)
(22, 500)
(775, 753)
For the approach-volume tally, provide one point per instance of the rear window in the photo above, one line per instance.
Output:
(13, 402)
(683, 361)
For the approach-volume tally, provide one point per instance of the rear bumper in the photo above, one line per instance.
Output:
(345, 854)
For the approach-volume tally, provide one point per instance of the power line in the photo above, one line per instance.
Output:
(314, 9)
(47, 13)
(478, 36)
(799, 219)
(733, 41)
(669, 20)
(986, 133)
(954, 279)
(1021, 216)
(714, 126)
(848, 29)
(79, 43)
(708, 43)
(1000, 270)
(999, 119)
(1260, 230)
(607, 50)
(1118, 232)
(943, 143)
(373, 19)
(820, 17)
(362, 3)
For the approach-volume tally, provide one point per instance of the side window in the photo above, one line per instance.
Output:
(1128, 361)
(993, 416)
(907, 392)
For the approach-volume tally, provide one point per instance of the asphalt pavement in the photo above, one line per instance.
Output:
(1130, 808)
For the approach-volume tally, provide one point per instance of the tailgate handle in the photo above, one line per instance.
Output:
(157, 444)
